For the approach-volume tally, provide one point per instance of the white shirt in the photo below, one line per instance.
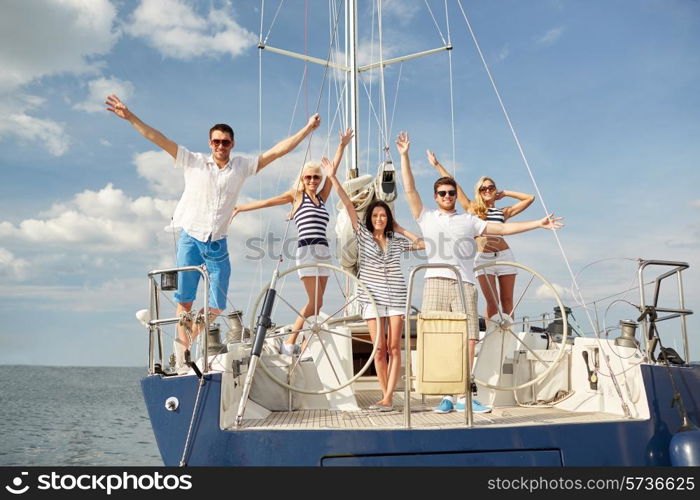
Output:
(449, 239)
(210, 193)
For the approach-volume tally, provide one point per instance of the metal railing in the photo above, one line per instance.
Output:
(155, 333)
(680, 312)
(468, 415)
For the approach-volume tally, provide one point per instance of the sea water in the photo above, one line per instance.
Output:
(74, 416)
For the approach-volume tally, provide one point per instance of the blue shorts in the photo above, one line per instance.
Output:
(214, 254)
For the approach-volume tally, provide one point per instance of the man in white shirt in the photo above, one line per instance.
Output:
(212, 185)
(449, 239)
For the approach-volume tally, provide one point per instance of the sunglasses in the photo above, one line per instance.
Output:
(221, 142)
(442, 194)
(487, 188)
(312, 177)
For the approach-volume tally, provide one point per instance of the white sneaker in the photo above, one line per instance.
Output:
(290, 349)
(307, 355)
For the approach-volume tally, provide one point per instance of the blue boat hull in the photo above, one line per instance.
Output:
(618, 443)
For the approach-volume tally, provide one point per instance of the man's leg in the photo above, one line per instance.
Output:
(188, 254)
(216, 260)
(185, 334)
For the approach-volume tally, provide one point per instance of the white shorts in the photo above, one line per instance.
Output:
(368, 311)
(313, 254)
(486, 257)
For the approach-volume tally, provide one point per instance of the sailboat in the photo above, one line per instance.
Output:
(559, 397)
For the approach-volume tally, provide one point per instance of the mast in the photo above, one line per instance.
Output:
(352, 71)
(351, 80)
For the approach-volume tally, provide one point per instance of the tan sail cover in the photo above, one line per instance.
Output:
(441, 353)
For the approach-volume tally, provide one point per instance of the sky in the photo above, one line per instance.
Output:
(602, 95)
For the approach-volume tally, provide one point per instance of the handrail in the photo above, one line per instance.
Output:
(468, 415)
(155, 322)
(681, 312)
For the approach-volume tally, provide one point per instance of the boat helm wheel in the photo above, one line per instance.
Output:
(340, 307)
(504, 335)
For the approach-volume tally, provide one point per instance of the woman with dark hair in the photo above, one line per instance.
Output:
(379, 258)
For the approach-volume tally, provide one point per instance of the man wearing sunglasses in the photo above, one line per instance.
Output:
(212, 184)
(449, 239)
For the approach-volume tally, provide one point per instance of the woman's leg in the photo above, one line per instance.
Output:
(489, 289)
(380, 360)
(394, 367)
(315, 288)
(506, 285)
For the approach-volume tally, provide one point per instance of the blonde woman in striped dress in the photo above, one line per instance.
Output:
(311, 218)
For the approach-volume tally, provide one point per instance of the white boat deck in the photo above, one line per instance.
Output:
(422, 416)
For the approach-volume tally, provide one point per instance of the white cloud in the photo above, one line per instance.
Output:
(12, 267)
(17, 123)
(551, 36)
(101, 87)
(544, 292)
(104, 221)
(158, 169)
(504, 53)
(45, 37)
(174, 29)
(402, 11)
(695, 203)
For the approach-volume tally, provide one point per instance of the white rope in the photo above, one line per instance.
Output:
(308, 146)
(519, 146)
(579, 299)
(396, 99)
(435, 22)
(260, 146)
(382, 94)
(452, 101)
(274, 19)
(192, 419)
(374, 113)
(262, 18)
(369, 94)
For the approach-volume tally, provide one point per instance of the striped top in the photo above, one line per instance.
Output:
(495, 215)
(311, 221)
(380, 270)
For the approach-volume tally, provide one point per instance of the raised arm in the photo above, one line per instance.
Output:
(409, 184)
(344, 198)
(281, 199)
(345, 138)
(506, 228)
(116, 106)
(461, 195)
(524, 201)
(286, 145)
(418, 243)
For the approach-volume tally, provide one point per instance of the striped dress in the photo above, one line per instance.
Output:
(495, 215)
(311, 222)
(380, 271)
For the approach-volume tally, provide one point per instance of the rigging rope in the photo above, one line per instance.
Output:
(308, 146)
(452, 100)
(382, 92)
(274, 19)
(437, 26)
(579, 299)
